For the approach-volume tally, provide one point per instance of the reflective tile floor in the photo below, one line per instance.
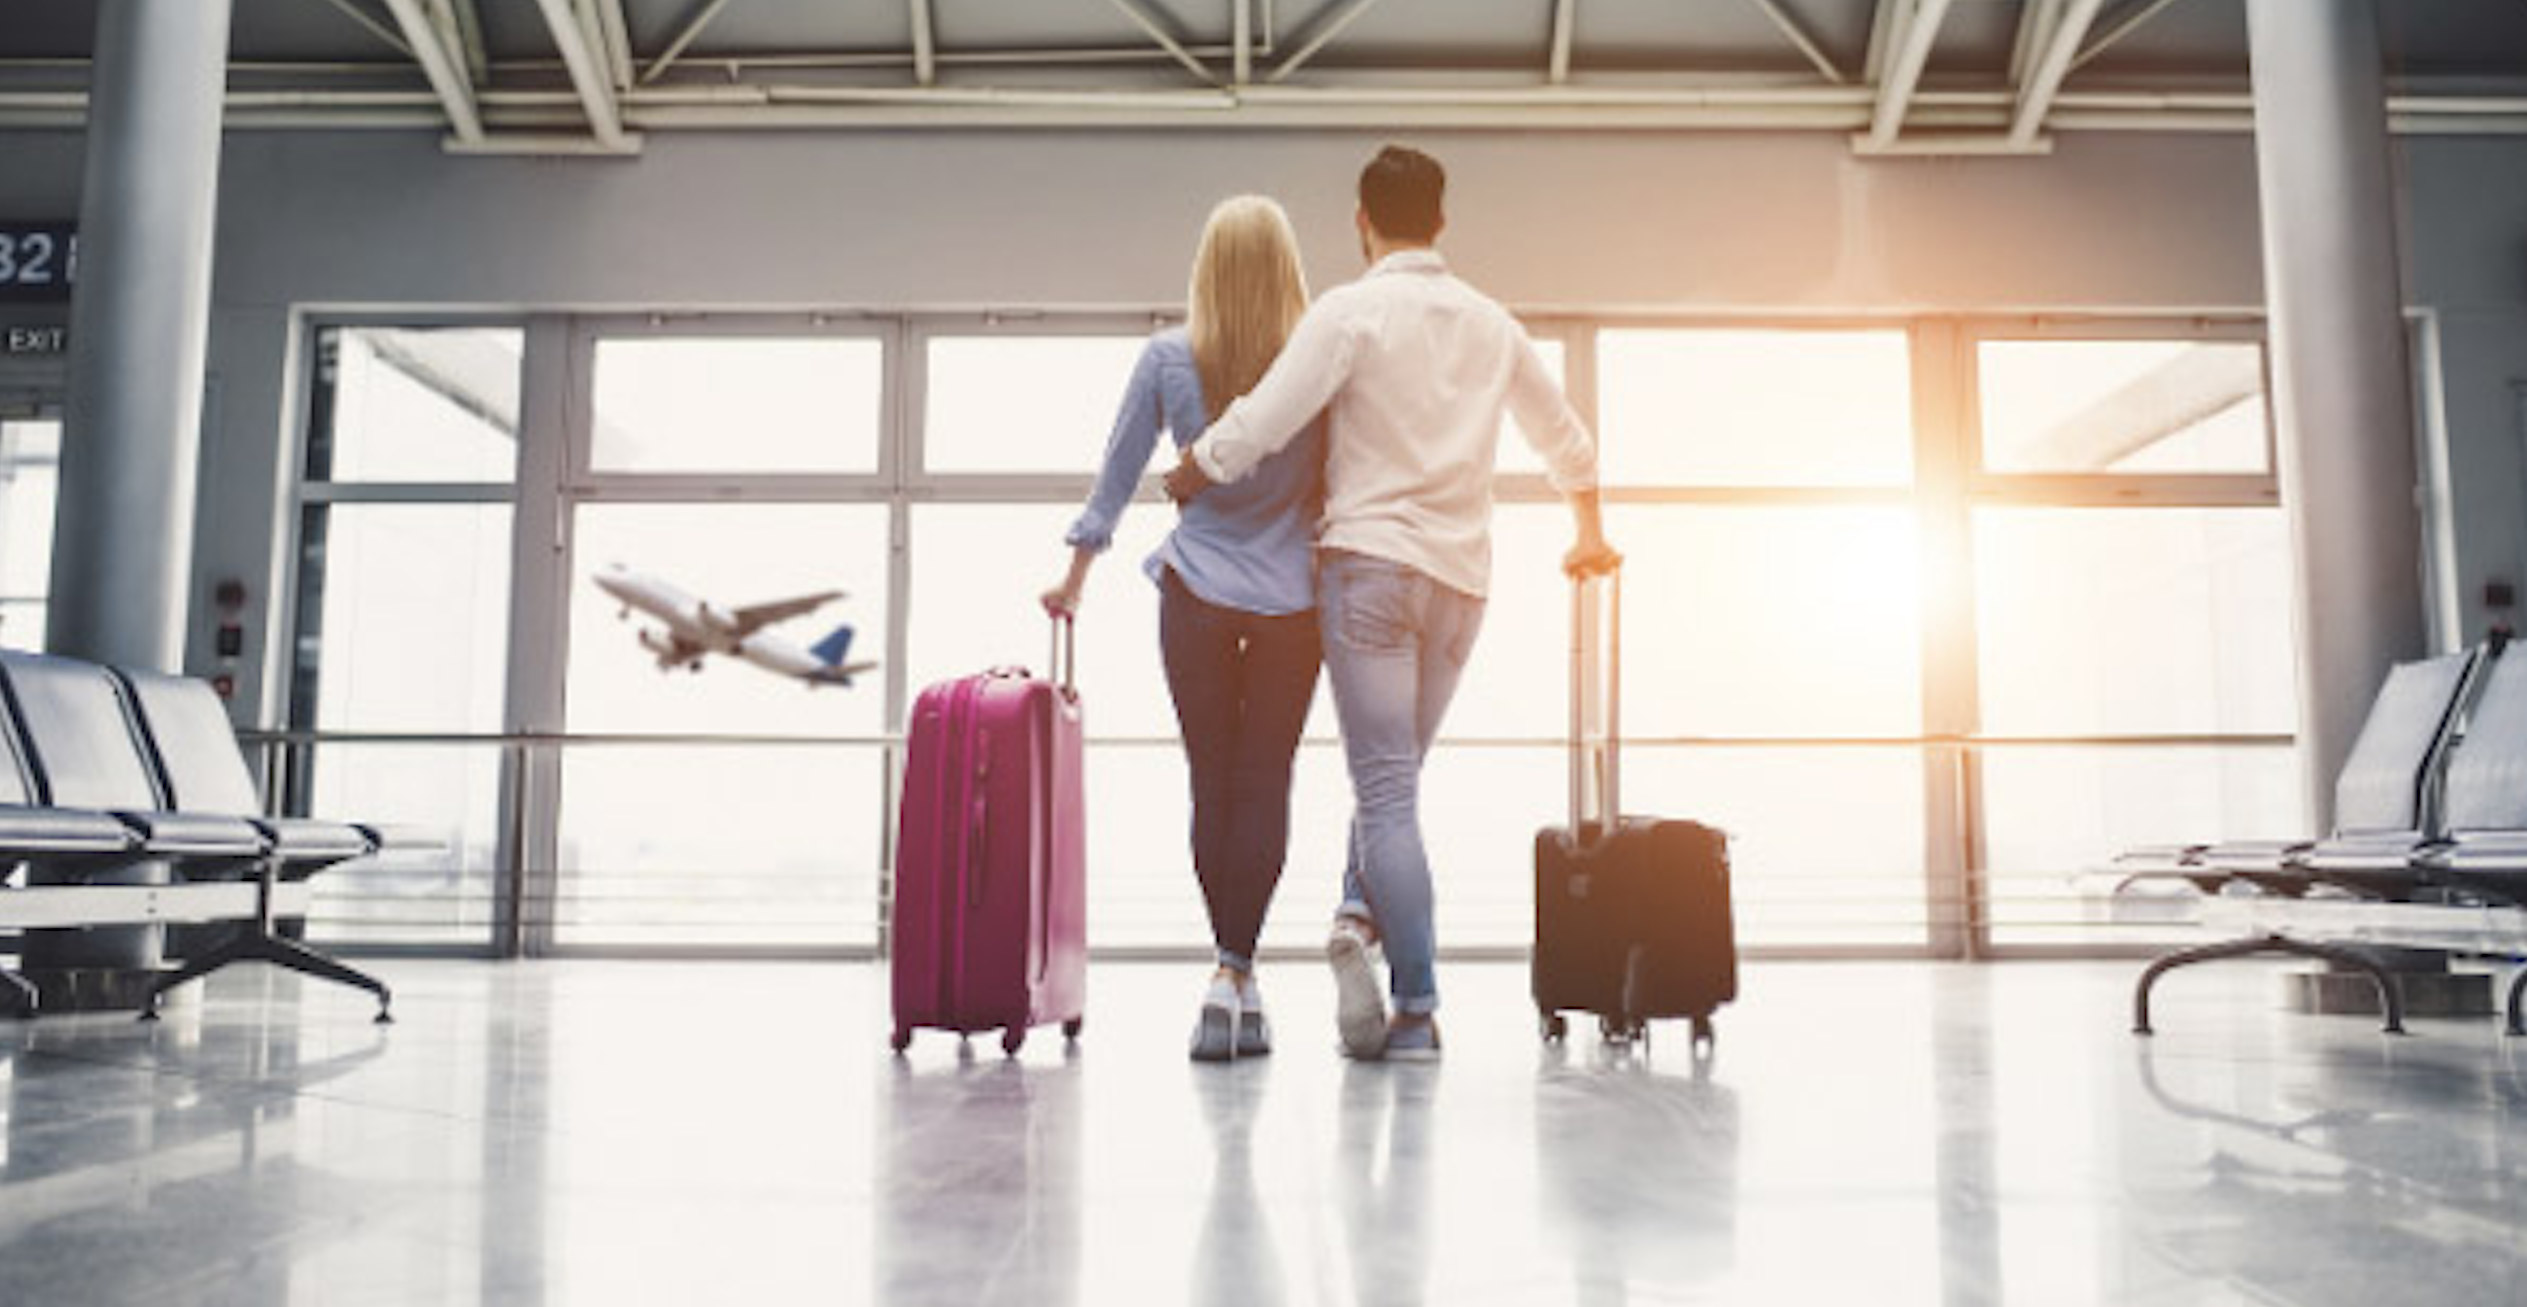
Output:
(628, 1133)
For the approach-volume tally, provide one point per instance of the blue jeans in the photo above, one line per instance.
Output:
(1242, 683)
(1395, 643)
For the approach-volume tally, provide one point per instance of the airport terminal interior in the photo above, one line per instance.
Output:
(2070, 463)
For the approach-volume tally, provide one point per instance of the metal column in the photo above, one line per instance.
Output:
(2341, 391)
(140, 314)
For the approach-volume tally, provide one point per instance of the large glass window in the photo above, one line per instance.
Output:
(403, 620)
(737, 404)
(765, 829)
(2122, 674)
(2123, 406)
(1024, 403)
(30, 482)
(1704, 407)
(2145, 649)
(400, 405)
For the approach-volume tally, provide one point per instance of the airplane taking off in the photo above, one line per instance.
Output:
(694, 628)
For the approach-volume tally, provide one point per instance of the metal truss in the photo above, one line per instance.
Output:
(598, 91)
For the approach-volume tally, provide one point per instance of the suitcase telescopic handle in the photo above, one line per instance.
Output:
(1596, 680)
(1062, 664)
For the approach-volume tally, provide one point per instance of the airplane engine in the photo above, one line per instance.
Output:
(657, 642)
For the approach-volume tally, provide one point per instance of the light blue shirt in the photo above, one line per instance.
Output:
(1248, 545)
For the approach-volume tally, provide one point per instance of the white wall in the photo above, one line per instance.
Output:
(1619, 221)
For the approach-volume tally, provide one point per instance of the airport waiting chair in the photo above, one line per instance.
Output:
(2384, 816)
(2485, 798)
(86, 747)
(188, 739)
(39, 837)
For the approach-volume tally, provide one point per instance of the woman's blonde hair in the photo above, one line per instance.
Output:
(1247, 292)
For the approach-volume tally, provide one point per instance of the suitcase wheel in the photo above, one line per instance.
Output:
(902, 1039)
(1705, 1039)
(1072, 1027)
(1552, 1026)
(1012, 1039)
(1619, 1030)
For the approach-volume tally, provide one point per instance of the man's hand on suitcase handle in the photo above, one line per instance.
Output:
(1591, 558)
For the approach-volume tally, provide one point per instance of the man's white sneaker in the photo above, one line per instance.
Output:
(1359, 1009)
(1413, 1041)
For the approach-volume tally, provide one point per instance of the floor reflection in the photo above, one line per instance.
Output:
(1235, 1259)
(1383, 1162)
(115, 1178)
(978, 1182)
(1637, 1169)
(2332, 1192)
(604, 1134)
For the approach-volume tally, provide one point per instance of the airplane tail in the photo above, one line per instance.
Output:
(834, 647)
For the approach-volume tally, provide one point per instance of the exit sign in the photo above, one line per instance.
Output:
(37, 261)
(19, 341)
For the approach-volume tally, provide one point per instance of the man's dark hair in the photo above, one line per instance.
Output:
(1400, 191)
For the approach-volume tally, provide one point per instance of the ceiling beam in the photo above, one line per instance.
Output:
(2035, 23)
(448, 78)
(1799, 37)
(1883, 20)
(2044, 81)
(1148, 23)
(374, 28)
(1325, 32)
(692, 30)
(1920, 31)
(587, 76)
(615, 27)
(925, 43)
(2119, 29)
(469, 26)
(1558, 70)
(1241, 41)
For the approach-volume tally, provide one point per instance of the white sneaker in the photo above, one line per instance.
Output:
(1254, 1030)
(1215, 1027)
(1359, 1009)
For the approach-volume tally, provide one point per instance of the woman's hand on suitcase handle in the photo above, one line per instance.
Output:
(1063, 599)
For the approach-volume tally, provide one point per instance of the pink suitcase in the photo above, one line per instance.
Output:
(989, 927)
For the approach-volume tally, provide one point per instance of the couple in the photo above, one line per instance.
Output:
(1334, 484)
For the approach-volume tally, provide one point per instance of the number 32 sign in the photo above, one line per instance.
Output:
(37, 262)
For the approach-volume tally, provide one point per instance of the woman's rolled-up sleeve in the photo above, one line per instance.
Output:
(1128, 447)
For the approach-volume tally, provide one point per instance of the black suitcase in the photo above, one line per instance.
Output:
(1636, 925)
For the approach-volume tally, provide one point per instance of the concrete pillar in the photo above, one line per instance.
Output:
(2341, 387)
(139, 314)
(131, 438)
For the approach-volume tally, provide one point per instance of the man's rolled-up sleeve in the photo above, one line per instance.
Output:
(1546, 418)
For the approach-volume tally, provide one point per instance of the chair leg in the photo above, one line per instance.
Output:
(252, 945)
(2390, 999)
(257, 943)
(293, 956)
(29, 1000)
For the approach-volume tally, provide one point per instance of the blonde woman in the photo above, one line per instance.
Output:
(1237, 594)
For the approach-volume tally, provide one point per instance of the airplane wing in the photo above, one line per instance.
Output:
(758, 616)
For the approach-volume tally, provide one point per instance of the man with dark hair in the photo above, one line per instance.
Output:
(1414, 369)
(1401, 192)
